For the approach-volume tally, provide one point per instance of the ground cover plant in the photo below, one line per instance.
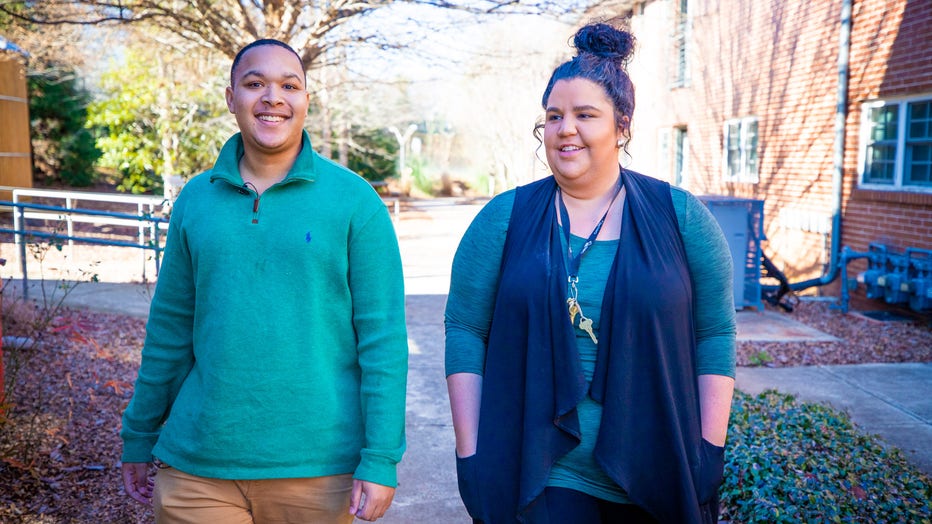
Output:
(788, 461)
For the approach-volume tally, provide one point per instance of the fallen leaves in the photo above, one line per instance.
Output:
(60, 448)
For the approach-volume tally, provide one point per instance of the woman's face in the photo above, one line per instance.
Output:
(581, 134)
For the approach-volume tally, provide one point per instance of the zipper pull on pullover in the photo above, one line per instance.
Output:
(248, 186)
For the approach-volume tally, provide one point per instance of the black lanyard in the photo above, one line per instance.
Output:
(572, 262)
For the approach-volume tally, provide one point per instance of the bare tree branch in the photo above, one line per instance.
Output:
(311, 26)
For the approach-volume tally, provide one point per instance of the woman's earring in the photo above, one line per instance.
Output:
(619, 142)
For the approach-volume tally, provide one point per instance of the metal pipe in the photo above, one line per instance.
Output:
(846, 256)
(838, 157)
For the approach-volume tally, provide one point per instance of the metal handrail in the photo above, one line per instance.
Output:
(144, 205)
(144, 219)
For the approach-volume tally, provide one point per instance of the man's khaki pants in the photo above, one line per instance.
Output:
(181, 498)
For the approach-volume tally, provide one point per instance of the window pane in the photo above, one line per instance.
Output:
(680, 41)
(734, 163)
(750, 144)
(919, 165)
(919, 110)
(919, 153)
(679, 167)
(880, 164)
(734, 136)
(920, 120)
(733, 155)
(920, 175)
(883, 123)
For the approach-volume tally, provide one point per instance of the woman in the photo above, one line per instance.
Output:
(590, 326)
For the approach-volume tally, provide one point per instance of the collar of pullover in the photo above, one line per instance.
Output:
(227, 166)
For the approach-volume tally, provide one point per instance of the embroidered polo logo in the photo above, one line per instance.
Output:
(307, 237)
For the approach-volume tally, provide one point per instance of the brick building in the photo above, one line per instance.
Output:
(755, 99)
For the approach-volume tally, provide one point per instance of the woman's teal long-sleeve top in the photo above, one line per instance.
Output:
(474, 284)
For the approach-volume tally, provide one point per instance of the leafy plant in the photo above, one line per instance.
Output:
(760, 358)
(372, 153)
(63, 150)
(158, 119)
(798, 462)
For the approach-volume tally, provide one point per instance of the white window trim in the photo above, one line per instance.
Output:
(743, 176)
(681, 38)
(684, 132)
(900, 159)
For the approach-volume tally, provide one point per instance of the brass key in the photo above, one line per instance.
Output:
(573, 307)
(585, 324)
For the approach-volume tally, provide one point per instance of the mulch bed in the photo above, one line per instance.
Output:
(59, 449)
(861, 340)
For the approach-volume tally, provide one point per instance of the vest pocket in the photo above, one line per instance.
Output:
(468, 485)
(711, 470)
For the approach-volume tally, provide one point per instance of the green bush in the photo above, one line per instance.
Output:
(373, 153)
(797, 462)
(63, 150)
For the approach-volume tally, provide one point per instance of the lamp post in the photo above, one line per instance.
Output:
(403, 139)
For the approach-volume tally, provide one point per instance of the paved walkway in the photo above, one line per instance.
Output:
(892, 400)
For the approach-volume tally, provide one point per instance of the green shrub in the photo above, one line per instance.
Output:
(797, 462)
(63, 150)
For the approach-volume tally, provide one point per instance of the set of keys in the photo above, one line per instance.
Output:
(585, 323)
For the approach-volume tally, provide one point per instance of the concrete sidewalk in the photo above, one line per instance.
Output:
(892, 400)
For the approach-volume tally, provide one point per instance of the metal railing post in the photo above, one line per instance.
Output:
(21, 213)
(158, 249)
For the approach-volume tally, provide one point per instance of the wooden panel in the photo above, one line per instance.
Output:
(15, 163)
(14, 127)
(14, 171)
(12, 78)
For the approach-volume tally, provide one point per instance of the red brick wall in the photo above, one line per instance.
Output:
(891, 56)
(777, 60)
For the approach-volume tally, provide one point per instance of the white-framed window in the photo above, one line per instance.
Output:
(672, 155)
(681, 155)
(739, 145)
(680, 73)
(896, 145)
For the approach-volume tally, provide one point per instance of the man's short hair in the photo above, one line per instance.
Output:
(261, 42)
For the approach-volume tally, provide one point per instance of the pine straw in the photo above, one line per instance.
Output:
(59, 451)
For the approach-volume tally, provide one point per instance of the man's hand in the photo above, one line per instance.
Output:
(137, 483)
(370, 501)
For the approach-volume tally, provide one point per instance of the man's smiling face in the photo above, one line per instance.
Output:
(269, 98)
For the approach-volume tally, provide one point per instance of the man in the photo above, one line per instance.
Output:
(272, 383)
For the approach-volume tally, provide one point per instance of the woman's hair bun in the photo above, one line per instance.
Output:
(604, 41)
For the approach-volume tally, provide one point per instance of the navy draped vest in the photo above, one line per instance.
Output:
(649, 439)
